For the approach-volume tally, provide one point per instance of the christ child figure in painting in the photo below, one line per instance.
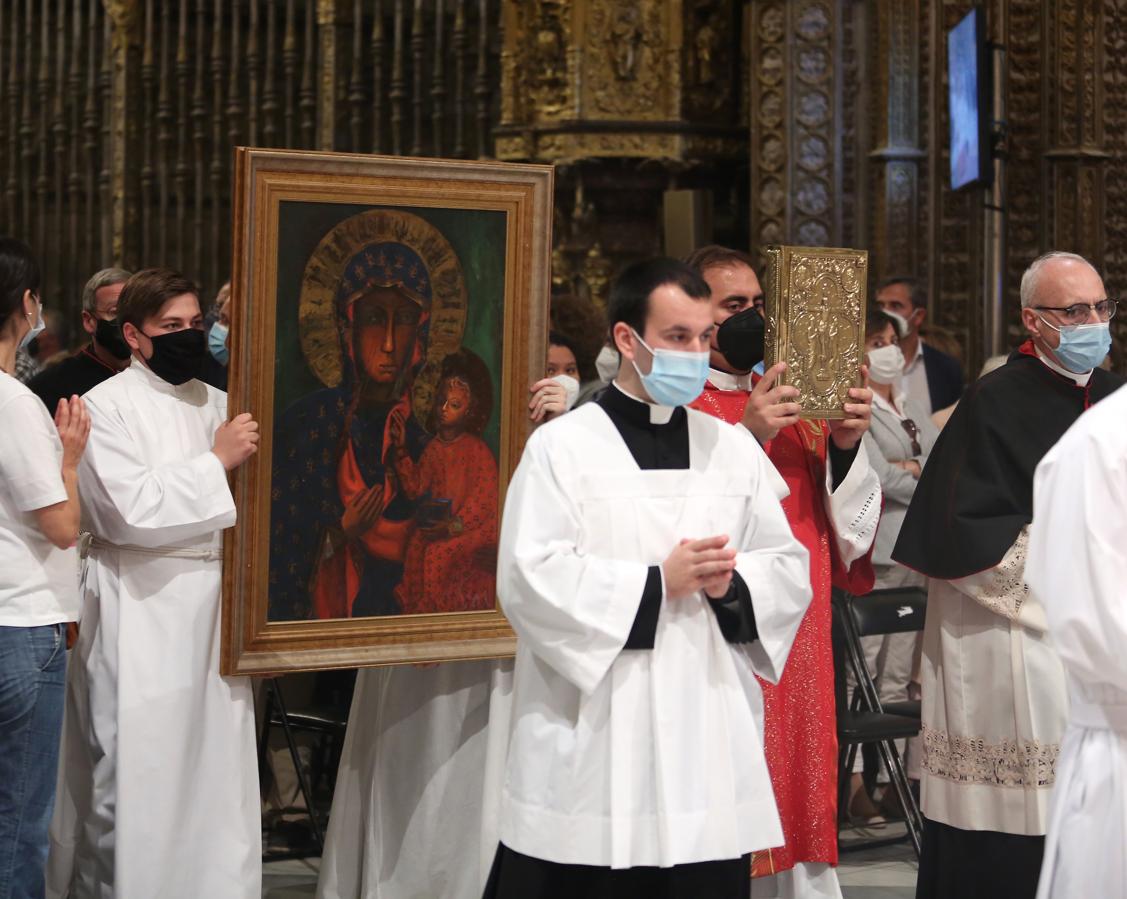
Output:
(451, 554)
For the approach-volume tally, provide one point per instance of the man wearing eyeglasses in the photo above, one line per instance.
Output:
(994, 695)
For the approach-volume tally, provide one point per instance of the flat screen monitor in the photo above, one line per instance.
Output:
(968, 97)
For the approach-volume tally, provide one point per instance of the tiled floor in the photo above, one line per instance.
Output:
(885, 873)
(295, 879)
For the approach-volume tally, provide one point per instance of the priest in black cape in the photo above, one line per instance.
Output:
(104, 356)
(994, 695)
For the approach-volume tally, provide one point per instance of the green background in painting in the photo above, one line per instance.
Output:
(478, 239)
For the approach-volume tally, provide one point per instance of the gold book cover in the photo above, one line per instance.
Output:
(816, 300)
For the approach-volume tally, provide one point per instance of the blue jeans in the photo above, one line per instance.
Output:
(33, 663)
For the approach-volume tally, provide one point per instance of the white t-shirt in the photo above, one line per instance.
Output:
(38, 581)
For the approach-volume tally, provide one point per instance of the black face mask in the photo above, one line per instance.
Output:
(177, 357)
(740, 339)
(108, 336)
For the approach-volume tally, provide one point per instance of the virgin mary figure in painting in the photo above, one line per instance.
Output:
(383, 301)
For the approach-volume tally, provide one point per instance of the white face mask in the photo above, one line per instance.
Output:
(571, 389)
(902, 326)
(886, 364)
(37, 328)
(606, 364)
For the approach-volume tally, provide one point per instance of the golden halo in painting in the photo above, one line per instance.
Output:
(321, 332)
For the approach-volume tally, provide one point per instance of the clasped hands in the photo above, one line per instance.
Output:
(694, 565)
(773, 406)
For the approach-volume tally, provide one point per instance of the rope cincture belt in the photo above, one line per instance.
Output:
(89, 543)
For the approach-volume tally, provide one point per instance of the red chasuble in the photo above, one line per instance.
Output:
(800, 725)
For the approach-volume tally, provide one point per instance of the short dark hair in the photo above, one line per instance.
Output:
(147, 291)
(19, 272)
(630, 295)
(468, 367)
(878, 320)
(915, 288)
(714, 255)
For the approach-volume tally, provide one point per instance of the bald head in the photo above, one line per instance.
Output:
(1060, 279)
(1060, 290)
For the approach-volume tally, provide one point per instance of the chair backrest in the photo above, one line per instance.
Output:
(896, 610)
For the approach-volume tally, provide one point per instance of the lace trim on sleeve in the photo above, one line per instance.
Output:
(1003, 589)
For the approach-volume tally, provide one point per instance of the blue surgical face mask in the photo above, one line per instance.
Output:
(1082, 347)
(37, 328)
(217, 342)
(676, 377)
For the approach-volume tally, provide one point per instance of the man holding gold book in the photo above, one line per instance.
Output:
(833, 508)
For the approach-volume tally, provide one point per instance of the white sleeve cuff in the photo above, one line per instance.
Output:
(854, 508)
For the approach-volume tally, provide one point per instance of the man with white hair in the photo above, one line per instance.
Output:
(994, 696)
(105, 355)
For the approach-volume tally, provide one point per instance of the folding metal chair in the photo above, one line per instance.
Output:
(329, 722)
(861, 718)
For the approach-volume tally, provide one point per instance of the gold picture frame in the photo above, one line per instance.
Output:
(815, 306)
(378, 305)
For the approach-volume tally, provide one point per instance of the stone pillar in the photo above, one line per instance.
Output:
(896, 154)
(1076, 155)
(797, 122)
(124, 18)
(329, 13)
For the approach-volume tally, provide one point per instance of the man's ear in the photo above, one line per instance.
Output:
(89, 322)
(130, 332)
(624, 340)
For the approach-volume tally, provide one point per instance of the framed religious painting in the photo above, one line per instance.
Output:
(389, 315)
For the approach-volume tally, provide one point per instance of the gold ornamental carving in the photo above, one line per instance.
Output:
(897, 151)
(565, 147)
(596, 272)
(1076, 157)
(597, 79)
(626, 60)
(538, 62)
(815, 322)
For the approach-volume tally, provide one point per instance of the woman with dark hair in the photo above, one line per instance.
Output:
(583, 328)
(900, 438)
(39, 518)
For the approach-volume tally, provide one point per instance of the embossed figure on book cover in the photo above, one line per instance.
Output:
(816, 299)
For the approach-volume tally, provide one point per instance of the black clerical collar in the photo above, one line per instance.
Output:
(654, 445)
(638, 412)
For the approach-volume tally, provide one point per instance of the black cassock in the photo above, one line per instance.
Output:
(973, 498)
